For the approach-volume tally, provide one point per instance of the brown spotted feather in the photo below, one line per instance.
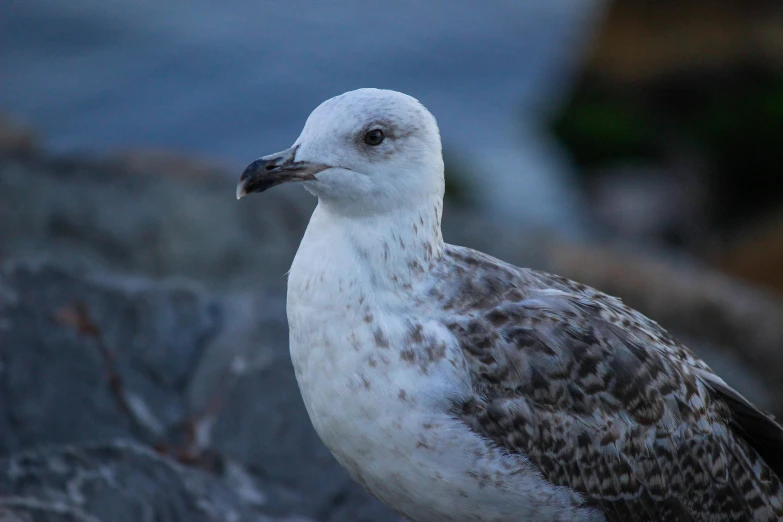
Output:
(604, 401)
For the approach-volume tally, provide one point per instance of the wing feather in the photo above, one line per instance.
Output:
(605, 402)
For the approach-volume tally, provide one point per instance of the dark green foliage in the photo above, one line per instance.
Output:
(598, 129)
(732, 119)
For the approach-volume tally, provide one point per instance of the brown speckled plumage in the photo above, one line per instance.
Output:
(602, 400)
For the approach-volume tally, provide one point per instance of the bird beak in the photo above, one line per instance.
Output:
(275, 169)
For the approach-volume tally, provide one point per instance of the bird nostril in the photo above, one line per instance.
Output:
(270, 166)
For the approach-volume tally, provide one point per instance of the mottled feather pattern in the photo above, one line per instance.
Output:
(601, 399)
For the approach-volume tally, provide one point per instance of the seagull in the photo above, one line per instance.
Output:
(456, 387)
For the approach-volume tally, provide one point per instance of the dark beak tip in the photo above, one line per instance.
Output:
(248, 177)
(275, 169)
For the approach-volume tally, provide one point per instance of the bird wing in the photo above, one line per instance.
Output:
(604, 401)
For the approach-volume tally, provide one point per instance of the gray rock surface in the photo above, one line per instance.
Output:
(117, 481)
(131, 217)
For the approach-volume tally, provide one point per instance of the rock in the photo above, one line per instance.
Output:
(756, 253)
(88, 213)
(86, 357)
(116, 482)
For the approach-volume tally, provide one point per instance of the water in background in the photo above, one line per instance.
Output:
(233, 80)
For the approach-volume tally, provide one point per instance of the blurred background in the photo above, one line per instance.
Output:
(633, 145)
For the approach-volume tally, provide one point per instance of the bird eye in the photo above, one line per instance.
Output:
(374, 137)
